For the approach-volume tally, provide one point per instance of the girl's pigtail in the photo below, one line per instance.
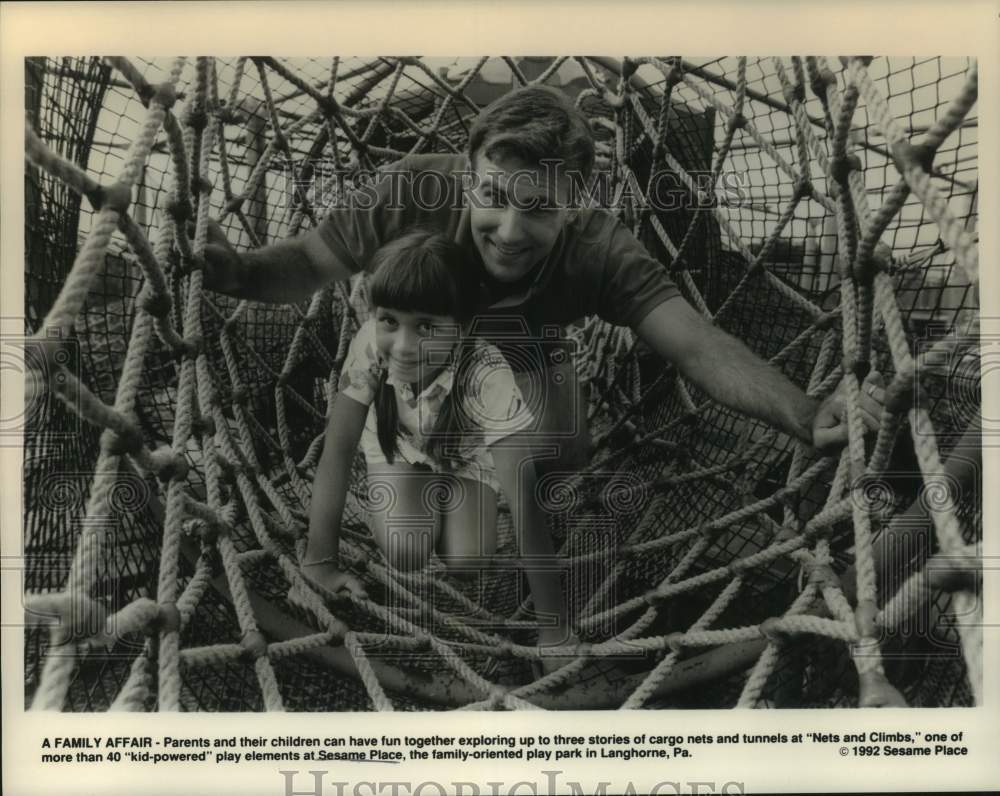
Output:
(387, 417)
(449, 427)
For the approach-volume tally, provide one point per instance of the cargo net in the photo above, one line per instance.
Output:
(824, 212)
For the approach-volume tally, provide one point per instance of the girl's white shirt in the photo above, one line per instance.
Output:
(492, 406)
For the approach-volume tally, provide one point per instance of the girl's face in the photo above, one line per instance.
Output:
(415, 345)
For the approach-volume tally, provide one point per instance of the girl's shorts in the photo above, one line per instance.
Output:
(476, 464)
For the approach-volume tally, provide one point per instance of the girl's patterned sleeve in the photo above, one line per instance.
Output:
(493, 402)
(359, 378)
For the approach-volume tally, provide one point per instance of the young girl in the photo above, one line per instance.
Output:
(436, 414)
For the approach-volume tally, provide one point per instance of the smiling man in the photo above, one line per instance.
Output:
(543, 260)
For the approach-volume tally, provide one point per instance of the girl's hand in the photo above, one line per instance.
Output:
(330, 578)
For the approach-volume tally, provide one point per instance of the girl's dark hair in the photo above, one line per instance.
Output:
(423, 271)
(534, 124)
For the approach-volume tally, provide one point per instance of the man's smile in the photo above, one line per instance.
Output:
(509, 251)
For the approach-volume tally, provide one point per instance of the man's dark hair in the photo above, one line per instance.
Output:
(533, 124)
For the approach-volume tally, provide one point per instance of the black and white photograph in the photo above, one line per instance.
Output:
(498, 383)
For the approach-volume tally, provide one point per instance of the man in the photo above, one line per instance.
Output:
(543, 259)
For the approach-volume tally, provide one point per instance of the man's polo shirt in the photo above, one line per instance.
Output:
(595, 267)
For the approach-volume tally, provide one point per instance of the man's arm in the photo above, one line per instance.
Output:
(289, 270)
(726, 369)
(341, 245)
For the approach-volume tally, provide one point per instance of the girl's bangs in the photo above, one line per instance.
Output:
(418, 283)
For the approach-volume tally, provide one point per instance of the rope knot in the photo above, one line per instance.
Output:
(498, 697)
(653, 598)
(822, 79)
(201, 185)
(736, 122)
(908, 156)
(787, 497)
(804, 187)
(823, 576)
(254, 645)
(205, 532)
(676, 642)
(168, 465)
(771, 630)
(204, 424)
(189, 265)
(865, 268)
(673, 76)
(241, 395)
(234, 204)
(126, 439)
(852, 363)
(196, 118)
(164, 95)
(178, 208)
(156, 304)
(616, 101)
(192, 346)
(228, 115)
(864, 619)
(117, 196)
(328, 106)
(793, 93)
(842, 165)
(228, 467)
(827, 320)
(167, 620)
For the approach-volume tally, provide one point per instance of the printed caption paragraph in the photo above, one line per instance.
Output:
(381, 748)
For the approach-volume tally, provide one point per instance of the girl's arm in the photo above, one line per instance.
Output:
(333, 476)
(516, 473)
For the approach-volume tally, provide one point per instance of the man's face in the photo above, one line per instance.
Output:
(516, 214)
